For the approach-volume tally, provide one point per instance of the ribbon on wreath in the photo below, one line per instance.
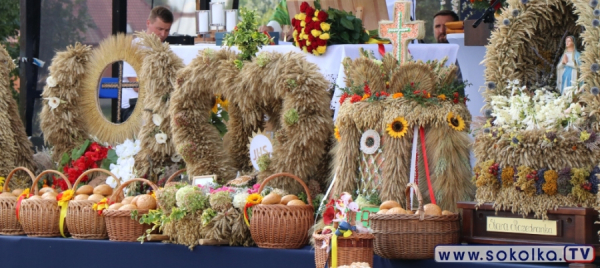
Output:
(24, 195)
(63, 202)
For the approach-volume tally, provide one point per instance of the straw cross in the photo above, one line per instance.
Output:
(120, 86)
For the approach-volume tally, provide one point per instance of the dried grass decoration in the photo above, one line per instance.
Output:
(115, 48)
(62, 122)
(286, 88)
(392, 99)
(159, 73)
(540, 169)
(18, 152)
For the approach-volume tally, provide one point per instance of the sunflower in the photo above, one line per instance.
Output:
(337, 134)
(397, 128)
(455, 121)
(254, 199)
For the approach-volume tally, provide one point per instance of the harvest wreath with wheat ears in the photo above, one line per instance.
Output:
(538, 147)
(382, 104)
(294, 98)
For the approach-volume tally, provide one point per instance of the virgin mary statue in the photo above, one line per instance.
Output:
(566, 71)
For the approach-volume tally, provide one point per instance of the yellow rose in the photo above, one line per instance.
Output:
(325, 26)
(315, 32)
(303, 24)
(324, 36)
(304, 49)
(297, 16)
(308, 43)
(322, 49)
(302, 16)
(315, 18)
(315, 52)
(316, 13)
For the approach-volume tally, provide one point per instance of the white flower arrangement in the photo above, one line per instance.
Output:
(239, 200)
(125, 163)
(543, 110)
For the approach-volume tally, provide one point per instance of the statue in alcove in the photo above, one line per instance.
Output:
(568, 66)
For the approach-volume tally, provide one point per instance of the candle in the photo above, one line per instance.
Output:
(231, 18)
(202, 21)
(217, 14)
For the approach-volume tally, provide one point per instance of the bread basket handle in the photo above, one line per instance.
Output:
(262, 185)
(34, 186)
(419, 198)
(95, 170)
(114, 196)
(12, 173)
(177, 173)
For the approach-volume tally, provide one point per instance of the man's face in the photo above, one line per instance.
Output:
(158, 27)
(439, 28)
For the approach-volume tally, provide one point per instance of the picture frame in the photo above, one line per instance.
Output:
(203, 180)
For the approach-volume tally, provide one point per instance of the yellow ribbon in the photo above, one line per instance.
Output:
(333, 246)
(64, 205)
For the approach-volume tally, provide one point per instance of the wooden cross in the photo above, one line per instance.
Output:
(120, 86)
(401, 31)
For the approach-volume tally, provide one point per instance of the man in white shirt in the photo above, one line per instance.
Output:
(159, 22)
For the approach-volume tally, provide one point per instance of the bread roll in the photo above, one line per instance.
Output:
(389, 204)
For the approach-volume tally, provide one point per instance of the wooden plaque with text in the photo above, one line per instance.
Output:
(370, 11)
(575, 226)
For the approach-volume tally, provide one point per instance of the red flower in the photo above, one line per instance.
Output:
(455, 100)
(417, 92)
(329, 213)
(94, 147)
(343, 98)
(303, 7)
(355, 98)
(314, 45)
(60, 183)
(312, 39)
(309, 48)
(294, 20)
(322, 16)
(316, 25)
(321, 42)
(383, 93)
(310, 13)
(412, 84)
(455, 94)
(367, 89)
(302, 43)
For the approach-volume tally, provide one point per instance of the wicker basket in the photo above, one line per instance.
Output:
(119, 224)
(281, 226)
(411, 236)
(8, 218)
(41, 218)
(83, 221)
(356, 248)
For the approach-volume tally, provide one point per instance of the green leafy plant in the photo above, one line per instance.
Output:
(246, 37)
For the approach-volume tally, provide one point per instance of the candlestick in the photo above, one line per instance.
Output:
(231, 19)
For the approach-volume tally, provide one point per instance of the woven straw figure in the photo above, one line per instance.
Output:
(373, 153)
(15, 147)
(286, 88)
(537, 169)
(159, 70)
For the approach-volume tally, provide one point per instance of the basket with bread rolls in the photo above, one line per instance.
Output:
(117, 211)
(406, 234)
(40, 213)
(83, 221)
(9, 225)
(280, 222)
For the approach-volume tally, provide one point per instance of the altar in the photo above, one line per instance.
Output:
(330, 64)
